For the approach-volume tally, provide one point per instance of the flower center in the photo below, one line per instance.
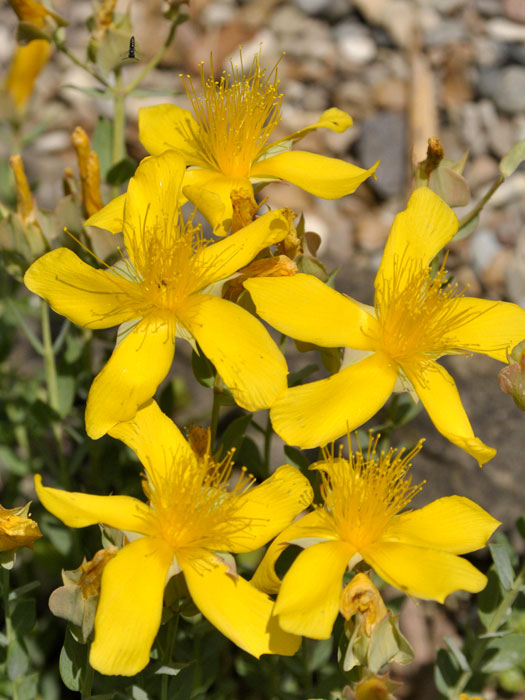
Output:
(362, 494)
(236, 115)
(162, 260)
(194, 508)
(419, 315)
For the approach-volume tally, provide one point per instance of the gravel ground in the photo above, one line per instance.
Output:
(405, 70)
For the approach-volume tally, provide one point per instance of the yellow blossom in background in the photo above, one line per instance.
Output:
(360, 519)
(226, 142)
(160, 289)
(192, 518)
(89, 168)
(17, 529)
(27, 63)
(394, 346)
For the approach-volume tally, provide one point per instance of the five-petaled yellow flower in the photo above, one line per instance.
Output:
(191, 520)
(226, 142)
(416, 319)
(159, 289)
(415, 551)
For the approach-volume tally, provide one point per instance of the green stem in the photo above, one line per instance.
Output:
(496, 621)
(214, 422)
(52, 387)
(84, 66)
(9, 632)
(87, 681)
(173, 626)
(33, 340)
(479, 206)
(268, 434)
(155, 60)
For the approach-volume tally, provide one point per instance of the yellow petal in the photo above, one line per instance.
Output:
(166, 127)
(27, 63)
(82, 509)
(153, 199)
(311, 526)
(495, 327)
(242, 350)
(210, 192)
(305, 308)
(425, 573)
(308, 601)
(270, 507)
(88, 297)
(225, 257)
(130, 607)
(130, 377)
(237, 609)
(334, 119)
(437, 390)
(314, 414)
(155, 439)
(453, 524)
(325, 177)
(417, 235)
(110, 217)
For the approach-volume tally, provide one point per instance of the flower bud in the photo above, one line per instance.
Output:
(511, 378)
(89, 168)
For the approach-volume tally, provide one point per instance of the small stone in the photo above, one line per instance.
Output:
(384, 138)
(509, 94)
(466, 279)
(391, 94)
(484, 247)
(495, 275)
(354, 45)
(515, 10)
(505, 30)
(481, 171)
(372, 230)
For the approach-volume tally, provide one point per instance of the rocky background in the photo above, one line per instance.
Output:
(405, 70)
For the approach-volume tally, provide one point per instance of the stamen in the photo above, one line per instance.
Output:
(236, 115)
(363, 493)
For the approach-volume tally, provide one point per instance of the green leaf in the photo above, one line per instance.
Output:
(504, 653)
(27, 687)
(91, 91)
(503, 565)
(513, 159)
(102, 143)
(56, 532)
(17, 659)
(66, 393)
(27, 31)
(459, 656)
(296, 457)
(12, 463)
(234, 433)
(467, 229)
(203, 369)
(450, 186)
(72, 660)
(489, 598)
(249, 455)
(23, 615)
(121, 171)
(320, 654)
(520, 525)
(295, 378)
(446, 672)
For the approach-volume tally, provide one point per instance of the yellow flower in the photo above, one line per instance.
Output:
(226, 142)
(17, 529)
(25, 68)
(160, 289)
(191, 520)
(415, 551)
(416, 320)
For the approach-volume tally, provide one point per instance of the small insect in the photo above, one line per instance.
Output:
(131, 50)
(131, 54)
